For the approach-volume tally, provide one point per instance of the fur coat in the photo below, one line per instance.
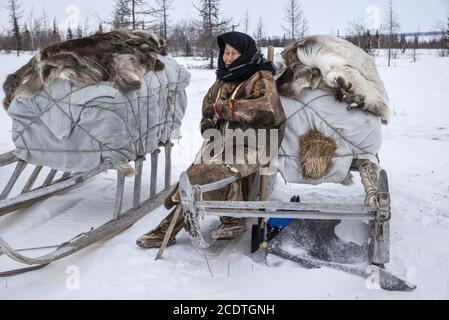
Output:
(252, 104)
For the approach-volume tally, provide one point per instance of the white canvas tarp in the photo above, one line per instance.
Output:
(71, 128)
(358, 134)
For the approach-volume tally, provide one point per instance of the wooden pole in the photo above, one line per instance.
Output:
(153, 178)
(50, 177)
(7, 158)
(119, 194)
(169, 232)
(168, 148)
(32, 179)
(271, 53)
(138, 183)
(12, 181)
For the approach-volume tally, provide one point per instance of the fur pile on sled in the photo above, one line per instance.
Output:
(315, 154)
(121, 57)
(335, 65)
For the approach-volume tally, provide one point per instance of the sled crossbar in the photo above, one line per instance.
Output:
(259, 209)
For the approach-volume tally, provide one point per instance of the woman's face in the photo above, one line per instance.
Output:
(230, 55)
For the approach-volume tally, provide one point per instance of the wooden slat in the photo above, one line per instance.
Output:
(7, 158)
(9, 205)
(168, 150)
(294, 206)
(12, 181)
(270, 54)
(50, 177)
(32, 179)
(119, 194)
(263, 187)
(138, 183)
(154, 165)
(66, 175)
(306, 215)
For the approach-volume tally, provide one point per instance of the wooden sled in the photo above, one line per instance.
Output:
(120, 221)
(378, 244)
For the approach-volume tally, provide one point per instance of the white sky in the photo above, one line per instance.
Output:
(324, 15)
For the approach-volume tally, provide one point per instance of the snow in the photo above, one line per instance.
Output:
(415, 155)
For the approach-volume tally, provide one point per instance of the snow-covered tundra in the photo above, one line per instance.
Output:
(415, 154)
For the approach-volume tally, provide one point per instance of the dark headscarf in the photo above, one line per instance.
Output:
(250, 61)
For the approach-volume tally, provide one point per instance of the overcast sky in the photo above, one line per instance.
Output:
(325, 16)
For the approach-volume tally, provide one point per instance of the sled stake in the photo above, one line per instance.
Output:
(169, 232)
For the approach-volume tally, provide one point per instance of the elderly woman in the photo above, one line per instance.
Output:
(243, 97)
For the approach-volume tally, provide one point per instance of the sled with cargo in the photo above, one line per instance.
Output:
(305, 232)
(68, 135)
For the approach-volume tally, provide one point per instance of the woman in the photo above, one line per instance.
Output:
(244, 97)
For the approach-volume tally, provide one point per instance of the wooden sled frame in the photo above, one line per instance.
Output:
(121, 220)
(379, 218)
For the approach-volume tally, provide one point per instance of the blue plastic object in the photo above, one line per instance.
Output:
(279, 223)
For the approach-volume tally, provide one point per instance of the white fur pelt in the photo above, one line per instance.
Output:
(331, 63)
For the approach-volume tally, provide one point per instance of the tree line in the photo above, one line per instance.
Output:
(197, 37)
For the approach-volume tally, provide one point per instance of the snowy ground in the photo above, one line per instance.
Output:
(415, 154)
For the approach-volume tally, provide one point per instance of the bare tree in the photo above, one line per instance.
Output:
(15, 14)
(161, 12)
(356, 29)
(246, 22)
(120, 15)
(234, 26)
(69, 33)
(415, 45)
(297, 24)
(183, 38)
(403, 43)
(132, 14)
(54, 37)
(445, 38)
(27, 41)
(211, 25)
(377, 39)
(260, 32)
(79, 32)
(392, 27)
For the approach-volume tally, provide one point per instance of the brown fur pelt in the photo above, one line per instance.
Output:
(121, 57)
(336, 65)
(315, 154)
